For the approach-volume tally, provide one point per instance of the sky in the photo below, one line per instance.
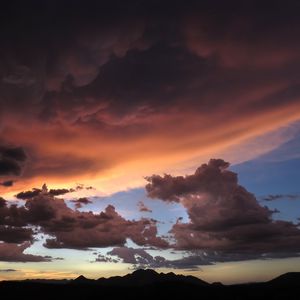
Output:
(150, 134)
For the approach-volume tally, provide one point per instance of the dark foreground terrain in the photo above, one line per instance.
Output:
(145, 284)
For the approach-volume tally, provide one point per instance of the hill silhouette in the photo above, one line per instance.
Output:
(288, 279)
(149, 277)
(151, 284)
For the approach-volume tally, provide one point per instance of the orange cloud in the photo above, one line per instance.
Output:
(119, 100)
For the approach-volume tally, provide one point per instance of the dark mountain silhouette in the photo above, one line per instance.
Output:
(81, 279)
(151, 284)
(149, 277)
(287, 279)
(141, 278)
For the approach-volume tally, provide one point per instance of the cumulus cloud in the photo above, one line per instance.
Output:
(70, 228)
(80, 230)
(223, 215)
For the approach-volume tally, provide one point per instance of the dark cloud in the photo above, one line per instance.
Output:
(280, 197)
(28, 194)
(105, 258)
(207, 178)
(68, 228)
(12, 215)
(58, 192)
(224, 216)
(34, 192)
(127, 73)
(13, 224)
(11, 161)
(81, 201)
(132, 256)
(120, 68)
(238, 39)
(13, 153)
(7, 270)
(9, 234)
(14, 253)
(7, 183)
(81, 230)
(71, 228)
(190, 260)
(140, 258)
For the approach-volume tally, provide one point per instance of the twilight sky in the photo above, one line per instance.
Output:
(160, 134)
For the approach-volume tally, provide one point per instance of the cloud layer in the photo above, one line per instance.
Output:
(226, 223)
(114, 75)
(68, 228)
(105, 93)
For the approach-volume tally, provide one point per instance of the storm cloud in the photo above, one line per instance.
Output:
(11, 161)
(104, 92)
(114, 74)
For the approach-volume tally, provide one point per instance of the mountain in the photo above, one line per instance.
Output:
(146, 277)
(287, 279)
(82, 280)
(148, 284)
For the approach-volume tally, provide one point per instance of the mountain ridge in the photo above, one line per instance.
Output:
(141, 277)
(149, 276)
(149, 284)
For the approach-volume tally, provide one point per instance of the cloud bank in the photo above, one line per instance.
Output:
(129, 74)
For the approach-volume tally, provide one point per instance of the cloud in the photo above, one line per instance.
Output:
(207, 178)
(7, 183)
(280, 197)
(70, 228)
(190, 260)
(35, 191)
(140, 258)
(80, 230)
(217, 36)
(11, 214)
(14, 253)
(28, 194)
(143, 208)
(81, 201)
(164, 66)
(224, 216)
(10, 234)
(7, 270)
(11, 161)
